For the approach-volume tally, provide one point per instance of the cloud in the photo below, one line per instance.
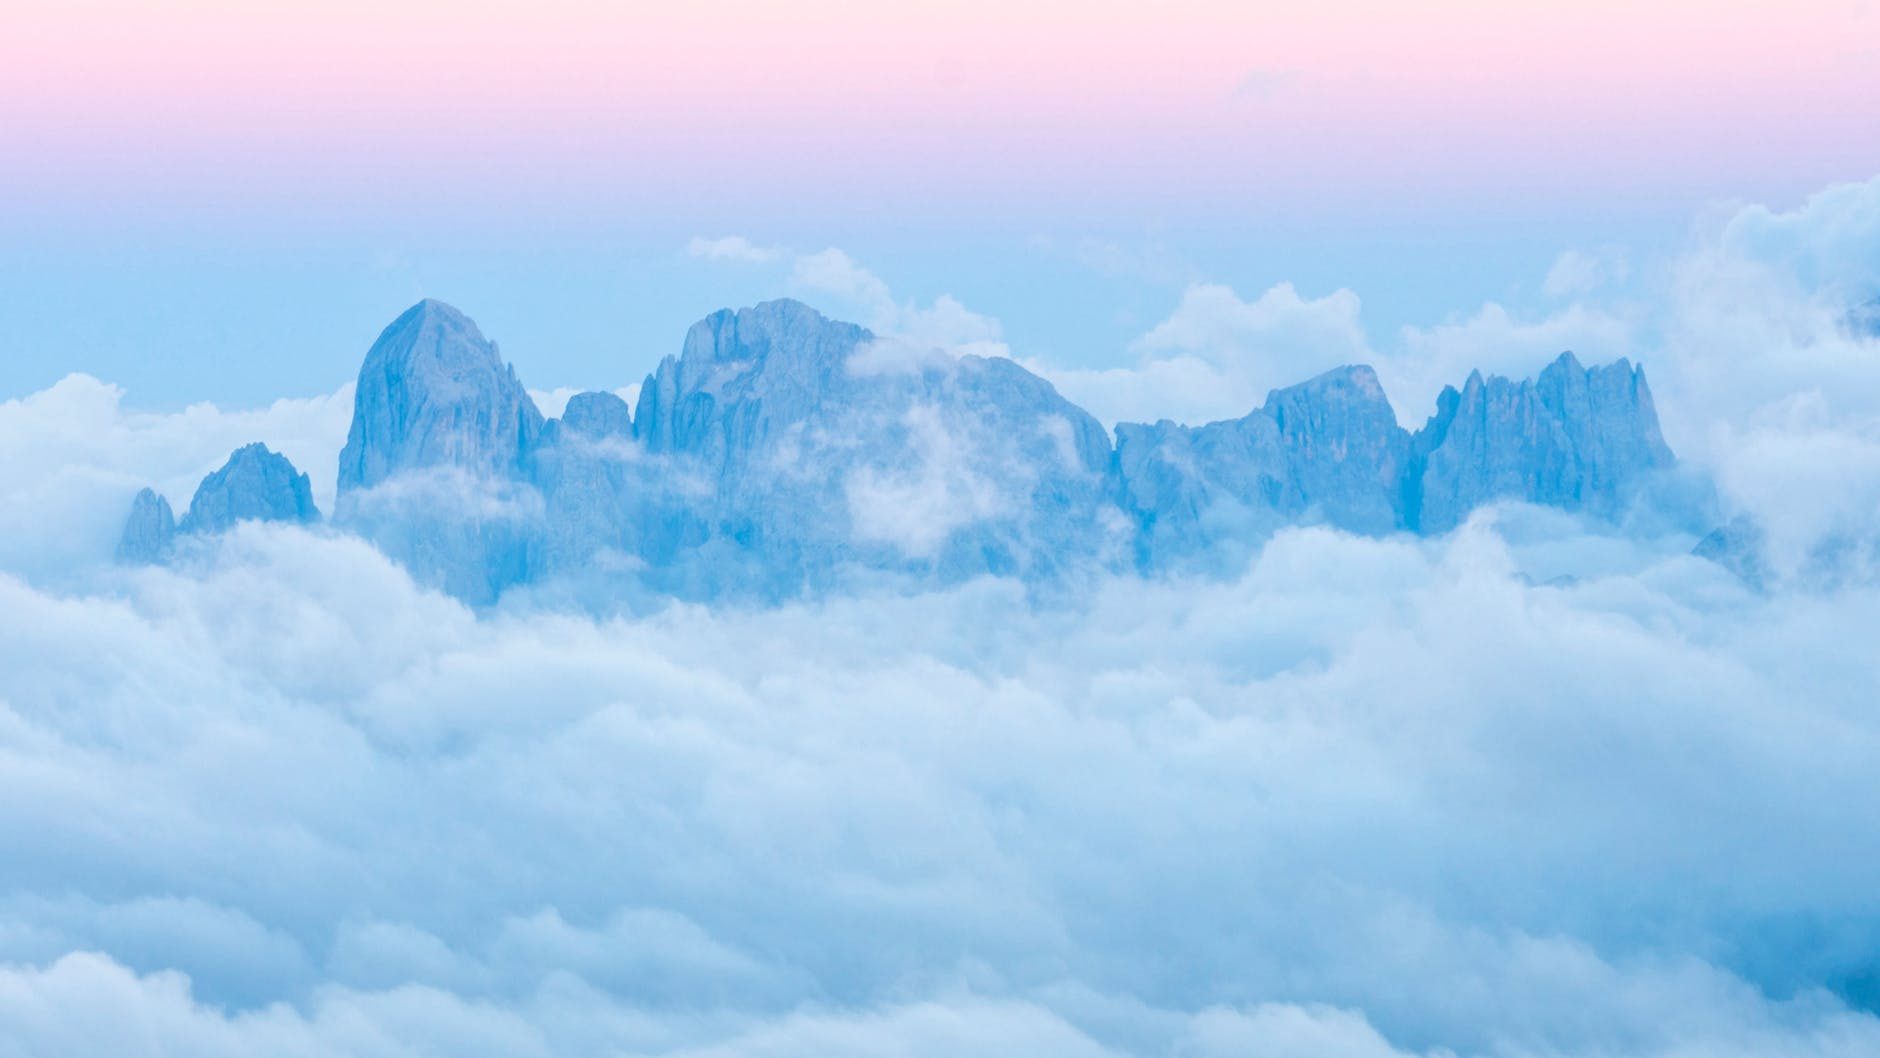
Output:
(735, 248)
(1496, 341)
(1217, 355)
(1575, 272)
(1364, 798)
(918, 508)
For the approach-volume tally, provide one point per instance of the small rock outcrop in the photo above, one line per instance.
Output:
(256, 484)
(149, 532)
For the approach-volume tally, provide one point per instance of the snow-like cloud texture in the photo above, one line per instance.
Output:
(1366, 798)
(1371, 797)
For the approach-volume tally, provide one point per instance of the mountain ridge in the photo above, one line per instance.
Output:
(781, 452)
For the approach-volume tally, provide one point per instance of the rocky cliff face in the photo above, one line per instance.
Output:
(434, 393)
(1575, 438)
(1327, 451)
(436, 466)
(807, 449)
(255, 484)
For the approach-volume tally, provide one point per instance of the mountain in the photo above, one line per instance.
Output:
(787, 450)
(437, 462)
(781, 453)
(434, 393)
(1327, 450)
(255, 484)
(149, 532)
(1575, 438)
(1330, 451)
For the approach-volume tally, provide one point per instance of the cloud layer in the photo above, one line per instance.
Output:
(1517, 791)
(1371, 797)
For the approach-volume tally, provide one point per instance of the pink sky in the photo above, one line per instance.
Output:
(961, 107)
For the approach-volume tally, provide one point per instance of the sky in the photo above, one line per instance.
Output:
(226, 201)
(1539, 786)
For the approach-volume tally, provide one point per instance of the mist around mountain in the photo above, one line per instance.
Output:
(781, 454)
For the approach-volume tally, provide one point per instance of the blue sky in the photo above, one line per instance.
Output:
(181, 316)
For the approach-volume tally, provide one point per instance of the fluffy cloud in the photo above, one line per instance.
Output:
(1217, 356)
(732, 248)
(1372, 797)
(1578, 272)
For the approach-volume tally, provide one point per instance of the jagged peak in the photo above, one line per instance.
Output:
(777, 323)
(1566, 361)
(255, 482)
(148, 530)
(1359, 379)
(439, 329)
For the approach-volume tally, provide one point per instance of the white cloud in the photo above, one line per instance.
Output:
(1218, 355)
(1577, 272)
(735, 248)
(362, 820)
(918, 508)
(1495, 341)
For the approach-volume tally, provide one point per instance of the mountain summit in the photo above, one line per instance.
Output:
(433, 392)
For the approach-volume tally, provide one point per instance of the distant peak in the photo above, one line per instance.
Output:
(1361, 376)
(1340, 383)
(1566, 361)
(781, 324)
(433, 308)
(432, 314)
(440, 330)
(783, 307)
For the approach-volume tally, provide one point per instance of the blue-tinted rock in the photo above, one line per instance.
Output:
(433, 392)
(782, 452)
(1575, 438)
(254, 485)
(149, 532)
(586, 467)
(437, 463)
(793, 450)
(1328, 450)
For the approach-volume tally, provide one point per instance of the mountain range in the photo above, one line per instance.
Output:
(782, 453)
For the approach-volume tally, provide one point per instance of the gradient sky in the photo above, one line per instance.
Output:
(221, 200)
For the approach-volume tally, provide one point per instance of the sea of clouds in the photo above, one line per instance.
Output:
(1529, 789)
